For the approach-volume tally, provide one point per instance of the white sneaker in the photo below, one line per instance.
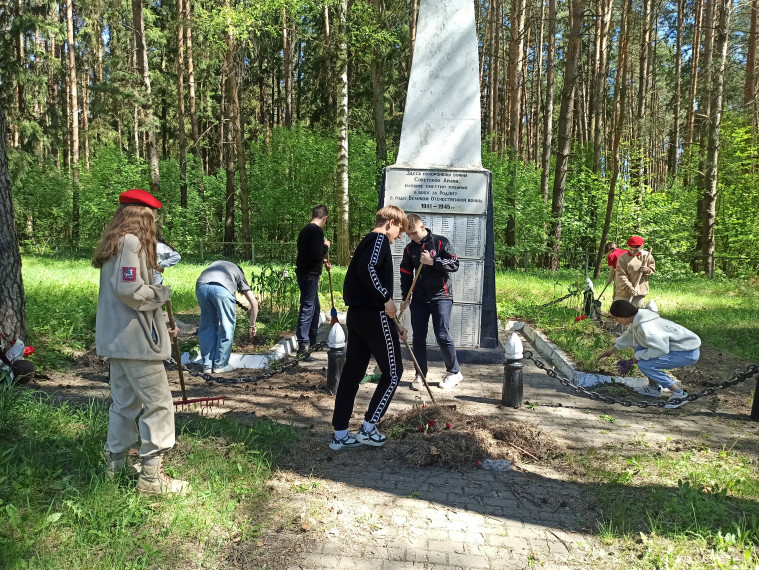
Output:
(348, 441)
(373, 438)
(451, 380)
(417, 384)
(223, 369)
(650, 391)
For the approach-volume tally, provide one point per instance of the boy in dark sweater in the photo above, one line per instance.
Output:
(368, 292)
(312, 249)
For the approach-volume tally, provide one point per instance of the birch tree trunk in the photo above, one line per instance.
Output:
(343, 227)
(378, 86)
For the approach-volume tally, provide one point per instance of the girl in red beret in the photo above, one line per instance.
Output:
(632, 272)
(132, 331)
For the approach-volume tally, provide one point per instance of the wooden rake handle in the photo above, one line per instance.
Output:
(178, 354)
(410, 291)
(416, 364)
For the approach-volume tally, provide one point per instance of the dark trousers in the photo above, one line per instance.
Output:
(370, 333)
(440, 311)
(310, 311)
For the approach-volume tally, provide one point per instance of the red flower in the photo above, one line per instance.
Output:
(28, 350)
(577, 319)
(479, 464)
(448, 426)
(431, 423)
(420, 428)
(583, 317)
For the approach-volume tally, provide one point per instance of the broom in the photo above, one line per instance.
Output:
(333, 312)
(180, 404)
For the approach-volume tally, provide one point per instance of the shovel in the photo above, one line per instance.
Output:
(416, 364)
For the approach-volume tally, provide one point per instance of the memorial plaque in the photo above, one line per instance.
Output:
(437, 191)
(467, 234)
(466, 282)
(464, 329)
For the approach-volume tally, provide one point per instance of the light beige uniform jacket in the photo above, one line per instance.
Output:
(629, 273)
(130, 321)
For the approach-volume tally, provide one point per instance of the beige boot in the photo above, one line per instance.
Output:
(115, 463)
(153, 481)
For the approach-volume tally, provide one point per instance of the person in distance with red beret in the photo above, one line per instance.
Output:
(632, 272)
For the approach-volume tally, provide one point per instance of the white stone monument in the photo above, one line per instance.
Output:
(439, 174)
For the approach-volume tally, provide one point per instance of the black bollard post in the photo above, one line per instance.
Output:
(755, 404)
(513, 386)
(335, 357)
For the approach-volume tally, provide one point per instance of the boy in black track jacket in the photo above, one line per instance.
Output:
(368, 292)
(432, 296)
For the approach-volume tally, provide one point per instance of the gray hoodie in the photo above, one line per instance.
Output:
(656, 335)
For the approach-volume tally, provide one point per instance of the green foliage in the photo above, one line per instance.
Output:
(58, 508)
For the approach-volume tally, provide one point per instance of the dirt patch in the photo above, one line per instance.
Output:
(438, 435)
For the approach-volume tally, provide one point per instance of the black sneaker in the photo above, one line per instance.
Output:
(348, 441)
(374, 437)
(303, 354)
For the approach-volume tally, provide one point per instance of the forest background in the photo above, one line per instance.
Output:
(600, 120)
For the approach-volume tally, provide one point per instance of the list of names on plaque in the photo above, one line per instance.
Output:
(464, 327)
(466, 234)
(466, 282)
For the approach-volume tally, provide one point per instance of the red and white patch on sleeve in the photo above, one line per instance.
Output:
(129, 274)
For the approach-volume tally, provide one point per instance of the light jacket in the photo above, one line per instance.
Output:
(628, 273)
(130, 322)
(656, 335)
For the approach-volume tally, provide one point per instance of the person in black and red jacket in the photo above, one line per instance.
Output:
(368, 292)
(432, 296)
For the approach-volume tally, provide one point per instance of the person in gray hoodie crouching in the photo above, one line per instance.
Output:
(658, 345)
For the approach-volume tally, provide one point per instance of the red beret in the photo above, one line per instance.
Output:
(635, 241)
(137, 196)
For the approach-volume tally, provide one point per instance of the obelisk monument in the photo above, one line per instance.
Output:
(439, 174)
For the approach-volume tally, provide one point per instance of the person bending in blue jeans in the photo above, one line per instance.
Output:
(658, 345)
(215, 290)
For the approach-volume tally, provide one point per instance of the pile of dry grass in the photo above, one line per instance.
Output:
(438, 435)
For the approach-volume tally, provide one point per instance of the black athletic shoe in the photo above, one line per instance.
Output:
(374, 437)
(348, 441)
(303, 354)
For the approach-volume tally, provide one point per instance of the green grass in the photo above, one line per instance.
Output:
(675, 509)
(723, 312)
(57, 508)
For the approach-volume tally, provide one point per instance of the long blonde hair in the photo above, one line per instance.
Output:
(132, 219)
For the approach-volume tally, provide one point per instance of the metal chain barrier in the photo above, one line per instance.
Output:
(567, 296)
(752, 370)
(292, 363)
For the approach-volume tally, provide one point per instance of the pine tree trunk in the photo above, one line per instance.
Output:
(378, 87)
(181, 139)
(74, 107)
(695, 59)
(236, 121)
(545, 162)
(12, 300)
(674, 135)
(600, 83)
(343, 227)
(287, 57)
(618, 119)
(564, 126)
(749, 87)
(725, 8)
(147, 108)
(191, 79)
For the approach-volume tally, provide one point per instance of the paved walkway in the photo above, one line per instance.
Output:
(366, 508)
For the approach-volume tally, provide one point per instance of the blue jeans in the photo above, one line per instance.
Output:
(218, 315)
(440, 311)
(310, 311)
(674, 359)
